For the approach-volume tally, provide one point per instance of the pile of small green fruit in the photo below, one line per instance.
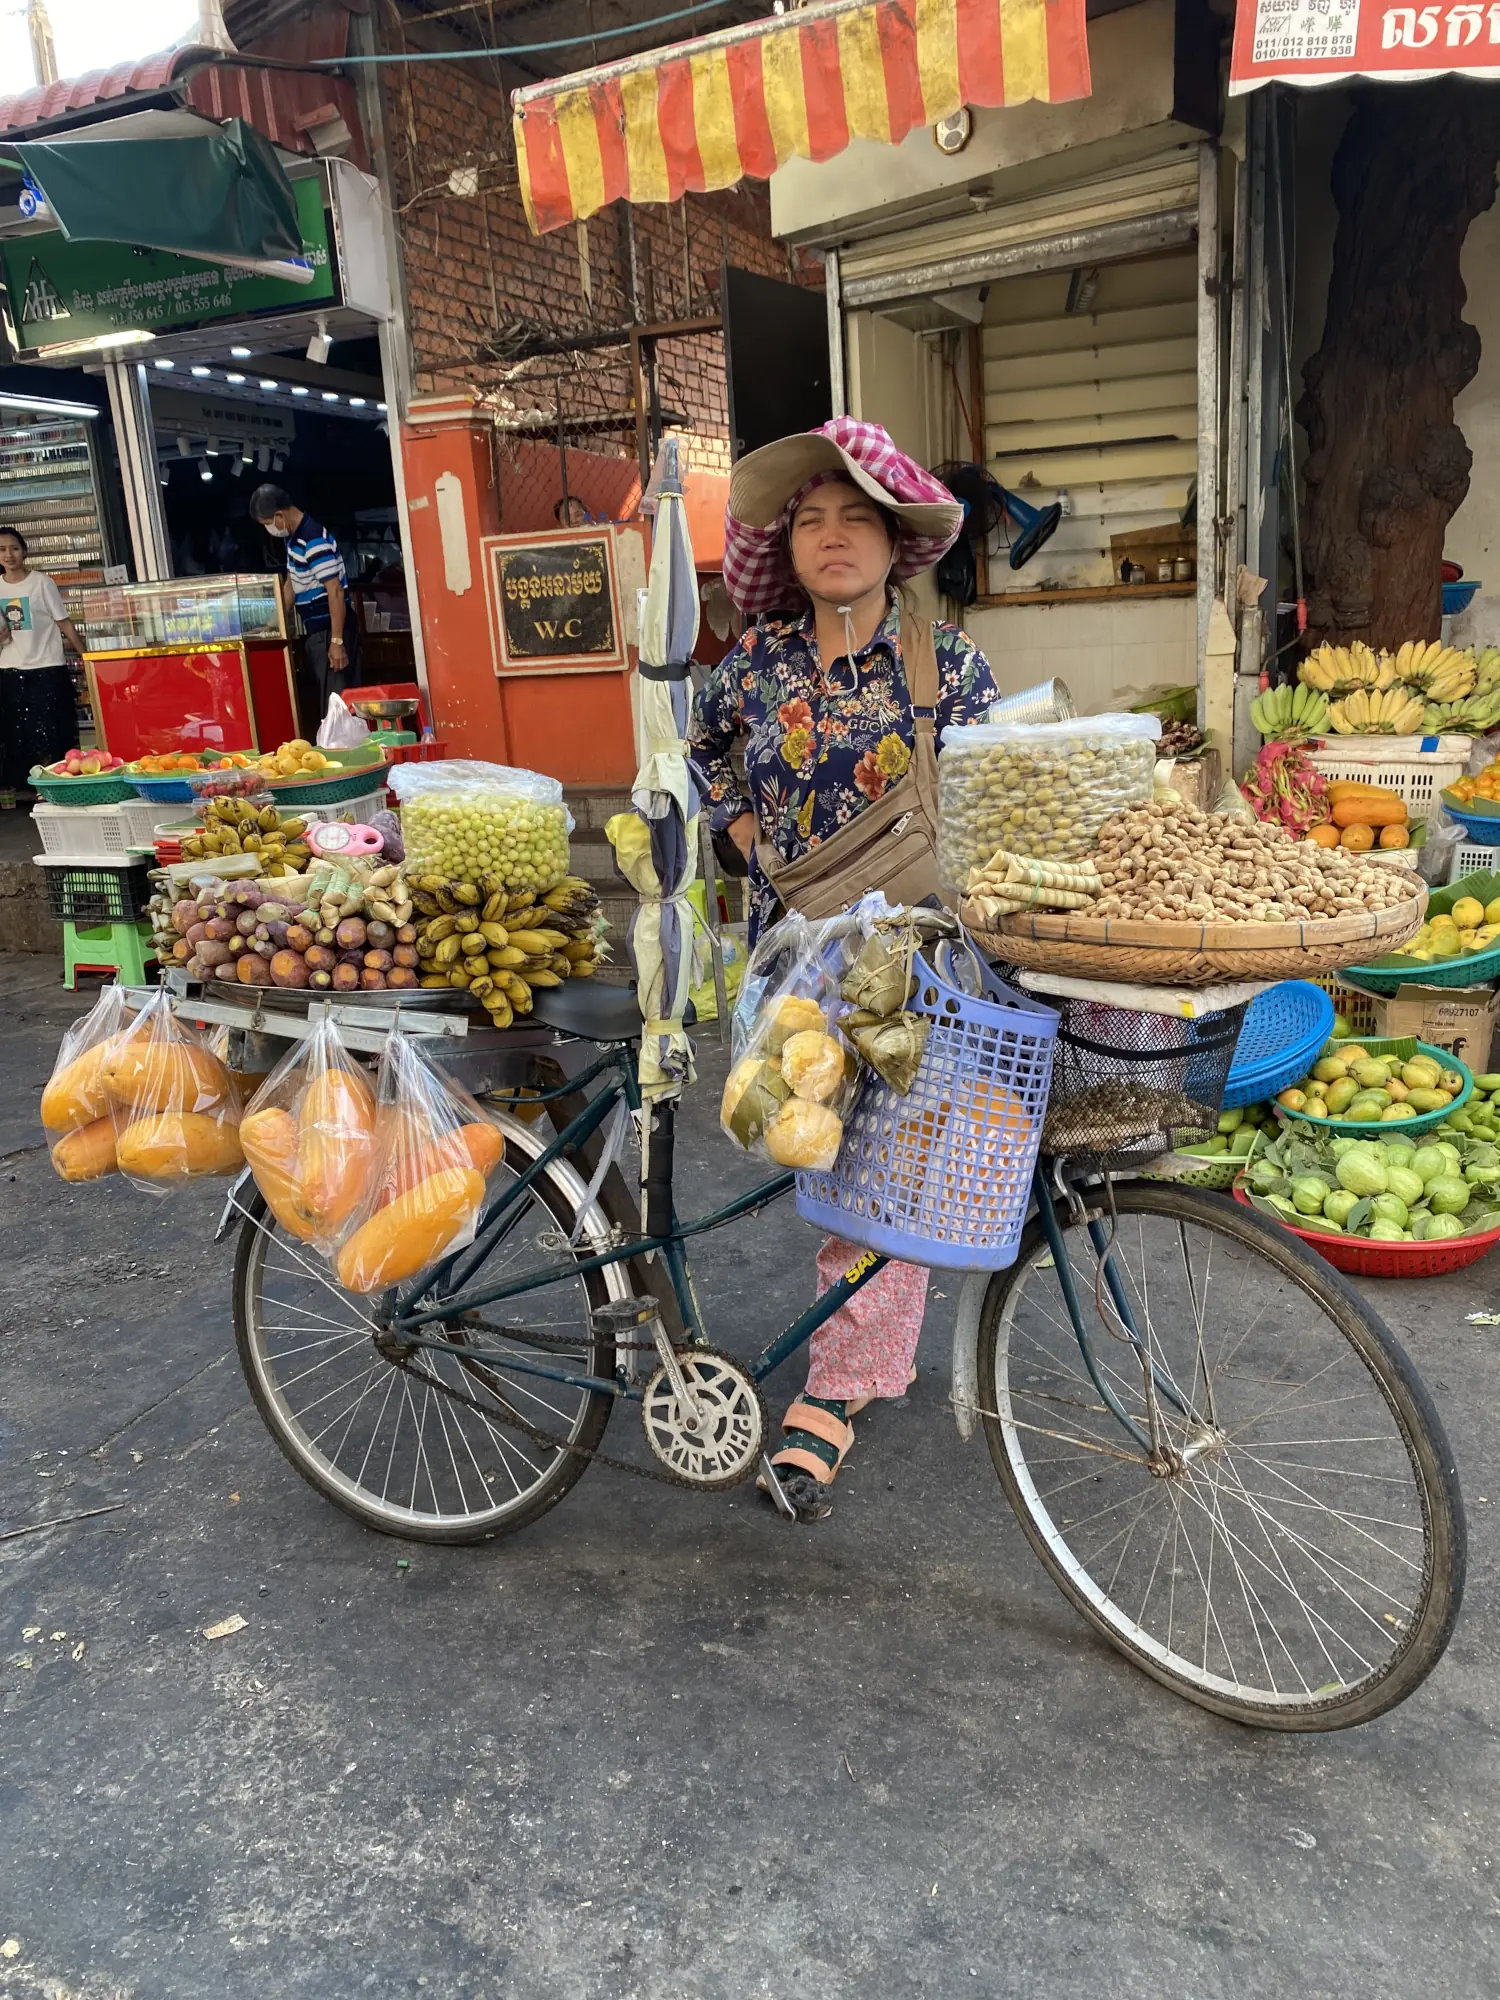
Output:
(1238, 1131)
(1367, 1086)
(1386, 1190)
(1479, 1116)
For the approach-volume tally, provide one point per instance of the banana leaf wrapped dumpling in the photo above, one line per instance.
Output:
(893, 1048)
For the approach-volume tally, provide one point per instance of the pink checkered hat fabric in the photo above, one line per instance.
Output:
(758, 572)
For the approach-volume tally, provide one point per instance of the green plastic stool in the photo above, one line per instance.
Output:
(123, 948)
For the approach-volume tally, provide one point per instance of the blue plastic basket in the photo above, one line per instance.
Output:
(1483, 828)
(1457, 597)
(178, 790)
(1282, 1038)
(942, 1176)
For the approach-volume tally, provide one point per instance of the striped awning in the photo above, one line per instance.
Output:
(707, 113)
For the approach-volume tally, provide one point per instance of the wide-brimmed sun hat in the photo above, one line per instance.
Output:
(765, 487)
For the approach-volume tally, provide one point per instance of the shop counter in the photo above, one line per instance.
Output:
(200, 663)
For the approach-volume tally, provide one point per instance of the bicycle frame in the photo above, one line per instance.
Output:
(454, 1274)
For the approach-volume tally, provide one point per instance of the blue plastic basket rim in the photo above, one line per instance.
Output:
(1266, 1067)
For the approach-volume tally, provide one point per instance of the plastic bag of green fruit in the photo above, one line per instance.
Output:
(1390, 1188)
(1377, 1082)
(464, 820)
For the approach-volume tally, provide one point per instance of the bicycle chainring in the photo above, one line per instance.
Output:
(721, 1444)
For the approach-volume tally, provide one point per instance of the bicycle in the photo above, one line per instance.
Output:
(1219, 1453)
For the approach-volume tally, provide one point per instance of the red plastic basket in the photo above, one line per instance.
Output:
(1360, 1258)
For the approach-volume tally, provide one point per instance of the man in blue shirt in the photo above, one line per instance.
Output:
(318, 583)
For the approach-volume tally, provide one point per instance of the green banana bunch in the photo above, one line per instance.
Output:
(1288, 714)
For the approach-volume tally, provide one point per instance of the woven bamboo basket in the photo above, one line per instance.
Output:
(1158, 954)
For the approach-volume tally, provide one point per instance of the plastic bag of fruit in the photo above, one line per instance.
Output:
(77, 1109)
(309, 1137)
(793, 1081)
(463, 820)
(176, 1108)
(434, 1151)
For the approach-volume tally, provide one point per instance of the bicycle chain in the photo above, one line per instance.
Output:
(657, 1473)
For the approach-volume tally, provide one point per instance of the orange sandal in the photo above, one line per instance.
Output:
(801, 1477)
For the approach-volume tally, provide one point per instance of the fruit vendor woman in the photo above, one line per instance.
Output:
(821, 532)
(38, 715)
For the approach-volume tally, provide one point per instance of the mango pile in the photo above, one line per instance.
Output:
(1372, 1086)
(1470, 926)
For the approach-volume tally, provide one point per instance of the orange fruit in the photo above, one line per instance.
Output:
(1358, 839)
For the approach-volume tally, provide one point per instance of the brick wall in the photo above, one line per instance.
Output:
(475, 274)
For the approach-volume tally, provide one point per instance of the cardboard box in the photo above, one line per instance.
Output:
(1461, 1019)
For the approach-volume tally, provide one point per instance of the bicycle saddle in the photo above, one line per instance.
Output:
(587, 1007)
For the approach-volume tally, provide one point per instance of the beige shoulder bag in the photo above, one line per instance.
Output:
(892, 845)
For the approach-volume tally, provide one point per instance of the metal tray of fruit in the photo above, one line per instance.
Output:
(298, 999)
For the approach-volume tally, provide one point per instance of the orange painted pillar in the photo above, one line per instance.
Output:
(572, 725)
(450, 500)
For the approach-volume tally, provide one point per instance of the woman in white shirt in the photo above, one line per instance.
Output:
(38, 715)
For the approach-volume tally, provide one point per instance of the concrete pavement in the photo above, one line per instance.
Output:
(658, 1747)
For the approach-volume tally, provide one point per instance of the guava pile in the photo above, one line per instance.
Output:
(1387, 1190)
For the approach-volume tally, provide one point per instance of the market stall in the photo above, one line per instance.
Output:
(196, 664)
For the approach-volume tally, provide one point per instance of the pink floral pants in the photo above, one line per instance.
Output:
(866, 1348)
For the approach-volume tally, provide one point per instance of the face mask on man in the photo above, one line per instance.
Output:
(271, 528)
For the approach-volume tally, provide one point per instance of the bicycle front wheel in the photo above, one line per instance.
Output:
(442, 1449)
(1287, 1549)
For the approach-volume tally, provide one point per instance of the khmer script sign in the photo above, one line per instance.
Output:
(1313, 41)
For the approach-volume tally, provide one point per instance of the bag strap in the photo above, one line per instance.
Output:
(919, 658)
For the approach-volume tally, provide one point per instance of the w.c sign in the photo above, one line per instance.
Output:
(1320, 41)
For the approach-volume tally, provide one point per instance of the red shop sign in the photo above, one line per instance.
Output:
(1321, 41)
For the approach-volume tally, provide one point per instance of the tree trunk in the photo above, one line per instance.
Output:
(1388, 467)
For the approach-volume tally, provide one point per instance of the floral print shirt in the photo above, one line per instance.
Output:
(821, 744)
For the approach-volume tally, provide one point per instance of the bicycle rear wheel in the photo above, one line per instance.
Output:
(1293, 1554)
(433, 1452)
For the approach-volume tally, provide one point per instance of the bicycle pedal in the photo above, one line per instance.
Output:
(619, 1315)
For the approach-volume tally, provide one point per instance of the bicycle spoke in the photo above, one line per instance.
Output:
(441, 1439)
(1278, 1549)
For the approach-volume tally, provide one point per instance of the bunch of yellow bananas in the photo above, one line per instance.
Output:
(1442, 672)
(1395, 711)
(500, 946)
(1337, 669)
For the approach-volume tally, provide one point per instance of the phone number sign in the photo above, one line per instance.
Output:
(1313, 41)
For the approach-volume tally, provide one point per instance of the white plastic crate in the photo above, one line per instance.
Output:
(83, 833)
(1469, 858)
(1416, 780)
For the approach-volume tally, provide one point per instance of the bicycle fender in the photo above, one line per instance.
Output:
(233, 1208)
(964, 1394)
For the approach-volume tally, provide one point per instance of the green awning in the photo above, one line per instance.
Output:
(170, 183)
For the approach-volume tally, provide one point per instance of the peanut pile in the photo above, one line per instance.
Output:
(1170, 861)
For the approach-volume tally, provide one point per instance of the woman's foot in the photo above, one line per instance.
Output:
(858, 1403)
(817, 1440)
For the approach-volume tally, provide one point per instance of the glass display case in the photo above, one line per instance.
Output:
(49, 489)
(187, 611)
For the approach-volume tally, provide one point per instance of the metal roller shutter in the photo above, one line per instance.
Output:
(1127, 213)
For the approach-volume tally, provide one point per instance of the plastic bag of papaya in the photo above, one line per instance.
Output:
(176, 1108)
(77, 1109)
(309, 1136)
(434, 1152)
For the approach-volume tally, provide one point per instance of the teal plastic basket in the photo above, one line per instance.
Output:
(1350, 1128)
(105, 790)
(1386, 975)
(329, 788)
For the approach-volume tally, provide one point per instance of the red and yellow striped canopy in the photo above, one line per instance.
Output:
(707, 113)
